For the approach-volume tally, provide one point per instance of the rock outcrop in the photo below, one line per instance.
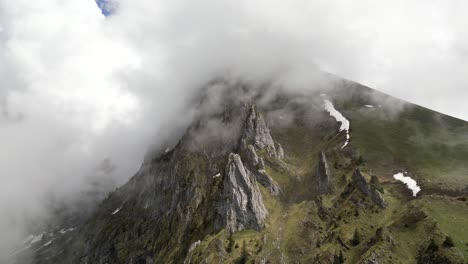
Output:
(264, 179)
(257, 166)
(279, 151)
(251, 155)
(242, 205)
(379, 248)
(322, 175)
(369, 190)
(257, 134)
(256, 137)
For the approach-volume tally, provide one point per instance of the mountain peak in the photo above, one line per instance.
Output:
(262, 175)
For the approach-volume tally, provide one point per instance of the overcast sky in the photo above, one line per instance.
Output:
(77, 87)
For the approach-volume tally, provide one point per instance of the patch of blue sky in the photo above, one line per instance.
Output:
(107, 6)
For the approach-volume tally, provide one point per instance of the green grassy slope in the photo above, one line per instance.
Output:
(394, 135)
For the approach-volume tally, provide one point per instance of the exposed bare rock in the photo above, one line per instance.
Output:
(279, 151)
(372, 258)
(369, 190)
(251, 155)
(261, 164)
(379, 248)
(257, 166)
(322, 175)
(264, 179)
(256, 137)
(256, 133)
(190, 251)
(242, 206)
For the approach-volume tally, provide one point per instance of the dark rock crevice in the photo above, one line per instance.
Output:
(322, 175)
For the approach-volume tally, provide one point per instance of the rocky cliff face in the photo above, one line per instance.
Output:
(201, 186)
(257, 134)
(256, 137)
(257, 167)
(322, 175)
(242, 206)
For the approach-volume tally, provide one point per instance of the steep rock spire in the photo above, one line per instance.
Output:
(257, 134)
(242, 206)
(256, 137)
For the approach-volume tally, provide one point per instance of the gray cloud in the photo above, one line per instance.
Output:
(79, 88)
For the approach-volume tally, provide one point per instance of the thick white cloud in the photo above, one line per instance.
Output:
(62, 103)
(77, 88)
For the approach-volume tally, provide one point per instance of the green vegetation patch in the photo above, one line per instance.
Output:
(452, 218)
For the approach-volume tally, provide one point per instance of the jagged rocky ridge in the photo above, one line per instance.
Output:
(201, 186)
(242, 205)
(257, 180)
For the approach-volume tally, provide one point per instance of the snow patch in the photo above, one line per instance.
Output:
(37, 238)
(369, 106)
(345, 124)
(64, 231)
(116, 210)
(217, 175)
(46, 244)
(28, 239)
(408, 181)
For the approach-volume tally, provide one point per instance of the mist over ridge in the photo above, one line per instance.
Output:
(79, 90)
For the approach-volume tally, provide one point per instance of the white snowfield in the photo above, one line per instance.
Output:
(410, 183)
(345, 124)
(369, 106)
(116, 211)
